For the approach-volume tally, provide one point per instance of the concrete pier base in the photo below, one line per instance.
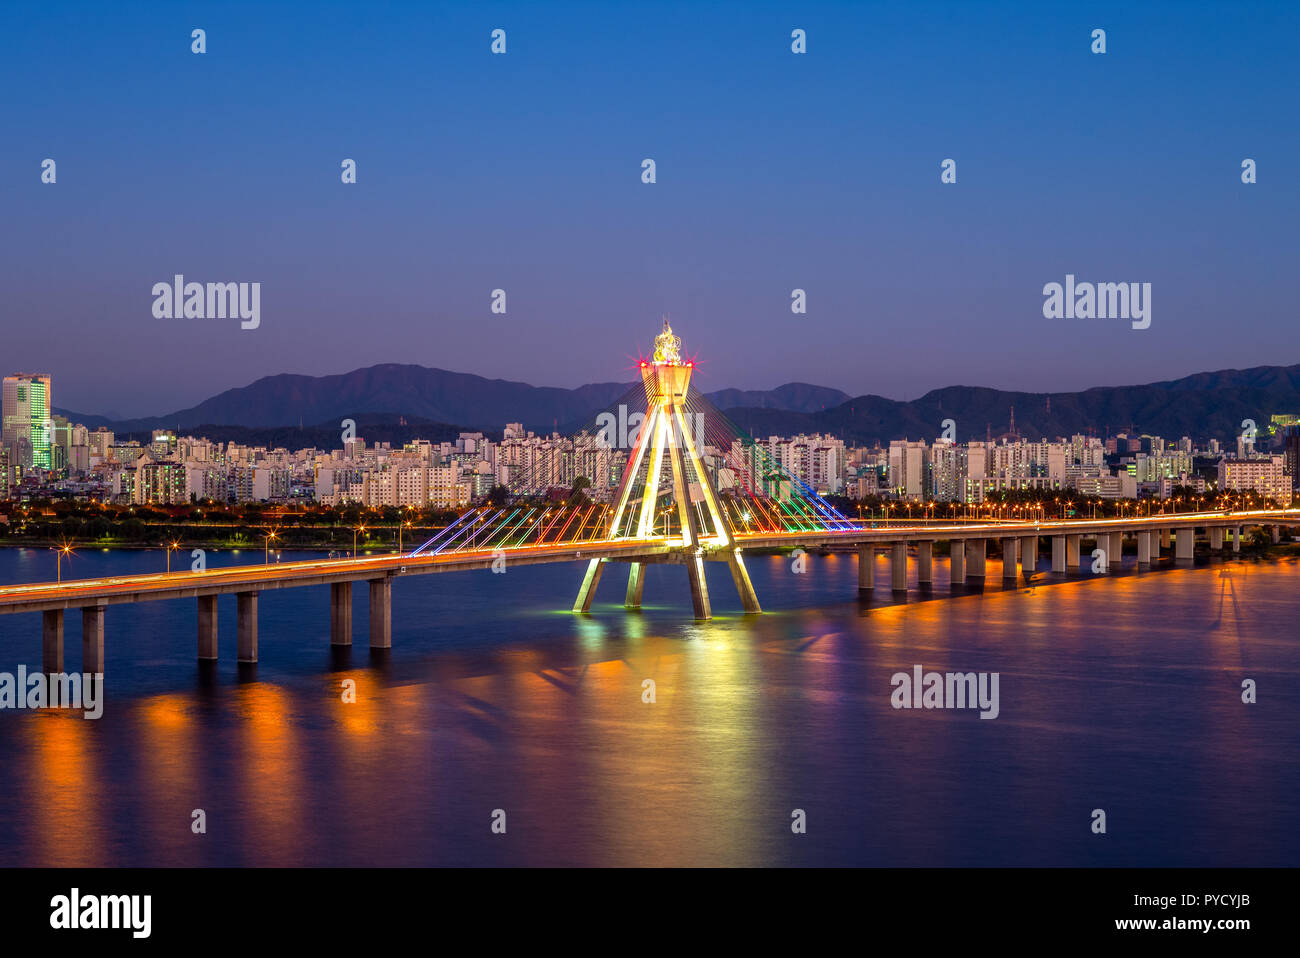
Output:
(1184, 546)
(924, 563)
(1058, 554)
(1010, 549)
(898, 566)
(975, 550)
(699, 588)
(1216, 538)
(381, 613)
(92, 640)
(636, 585)
(1072, 548)
(957, 561)
(1115, 552)
(1276, 533)
(587, 592)
(246, 626)
(1236, 538)
(340, 613)
(51, 641)
(1144, 549)
(866, 568)
(207, 626)
(740, 576)
(1166, 538)
(1028, 555)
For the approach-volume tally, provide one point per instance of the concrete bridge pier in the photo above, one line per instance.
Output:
(1276, 533)
(1166, 538)
(381, 613)
(587, 592)
(699, 588)
(975, 549)
(1028, 555)
(1072, 548)
(898, 566)
(246, 626)
(957, 560)
(207, 627)
(1184, 546)
(51, 642)
(636, 584)
(1144, 549)
(866, 567)
(92, 639)
(740, 576)
(1058, 554)
(1216, 538)
(1115, 551)
(924, 563)
(1236, 538)
(340, 613)
(1009, 549)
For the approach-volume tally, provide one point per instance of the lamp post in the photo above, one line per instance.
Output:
(171, 547)
(63, 550)
(355, 530)
(266, 552)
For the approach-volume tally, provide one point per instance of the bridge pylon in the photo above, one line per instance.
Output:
(667, 442)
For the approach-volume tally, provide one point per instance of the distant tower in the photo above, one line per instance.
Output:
(1013, 421)
(1049, 405)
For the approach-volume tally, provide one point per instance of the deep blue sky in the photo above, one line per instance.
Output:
(522, 171)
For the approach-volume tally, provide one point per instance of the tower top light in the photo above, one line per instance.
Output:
(668, 347)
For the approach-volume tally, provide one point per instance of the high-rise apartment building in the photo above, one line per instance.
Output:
(27, 427)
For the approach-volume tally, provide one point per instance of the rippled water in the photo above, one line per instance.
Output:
(1118, 692)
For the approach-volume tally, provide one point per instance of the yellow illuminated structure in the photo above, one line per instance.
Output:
(665, 434)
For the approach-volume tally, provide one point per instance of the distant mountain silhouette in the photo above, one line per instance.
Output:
(1203, 405)
(420, 392)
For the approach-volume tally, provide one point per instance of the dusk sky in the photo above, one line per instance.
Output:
(523, 172)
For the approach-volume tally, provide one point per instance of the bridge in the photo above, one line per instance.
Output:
(666, 508)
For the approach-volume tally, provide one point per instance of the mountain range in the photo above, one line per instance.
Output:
(402, 401)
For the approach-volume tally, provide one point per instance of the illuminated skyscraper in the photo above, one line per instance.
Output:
(27, 426)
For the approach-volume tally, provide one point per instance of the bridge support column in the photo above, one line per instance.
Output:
(1072, 548)
(340, 613)
(1009, 550)
(636, 584)
(1236, 538)
(699, 588)
(1166, 538)
(898, 565)
(207, 626)
(1184, 545)
(246, 626)
(925, 563)
(1216, 538)
(589, 582)
(381, 613)
(1028, 555)
(1115, 552)
(92, 639)
(1058, 554)
(740, 576)
(975, 549)
(957, 558)
(51, 642)
(1144, 549)
(1276, 533)
(866, 567)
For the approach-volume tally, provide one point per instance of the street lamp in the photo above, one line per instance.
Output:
(60, 553)
(266, 553)
(355, 530)
(171, 547)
